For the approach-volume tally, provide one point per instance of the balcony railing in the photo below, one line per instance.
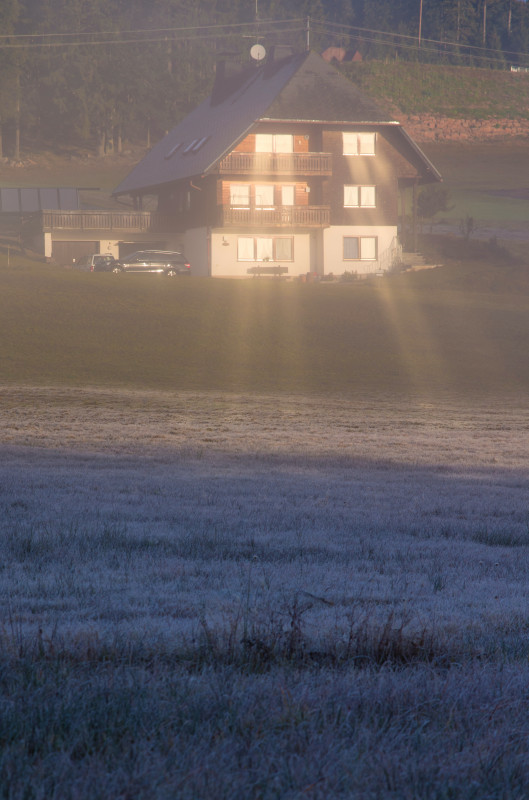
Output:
(280, 216)
(277, 164)
(132, 221)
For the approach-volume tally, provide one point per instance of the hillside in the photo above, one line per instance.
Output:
(445, 103)
(435, 103)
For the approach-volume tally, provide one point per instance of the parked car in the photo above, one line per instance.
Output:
(97, 262)
(169, 263)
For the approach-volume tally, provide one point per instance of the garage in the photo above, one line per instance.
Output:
(65, 252)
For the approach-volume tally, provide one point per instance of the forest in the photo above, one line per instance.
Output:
(97, 73)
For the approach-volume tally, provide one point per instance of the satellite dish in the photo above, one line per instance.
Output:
(257, 52)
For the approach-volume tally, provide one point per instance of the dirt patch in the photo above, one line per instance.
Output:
(438, 128)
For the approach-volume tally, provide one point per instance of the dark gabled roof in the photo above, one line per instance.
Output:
(301, 87)
(318, 92)
(225, 117)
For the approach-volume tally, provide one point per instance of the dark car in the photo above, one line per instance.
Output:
(97, 262)
(170, 263)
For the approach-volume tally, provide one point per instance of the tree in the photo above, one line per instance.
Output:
(431, 201)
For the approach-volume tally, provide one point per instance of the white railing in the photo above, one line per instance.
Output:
(133, 221)
(391, 257)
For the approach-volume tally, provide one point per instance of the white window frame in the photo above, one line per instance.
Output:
(257, 252)
(357, 143)
(359, 196)
(238, 197)
(292, 191)
(274, 142)
(245, 248)
(364, 248)
(262, 195)
(284, 239)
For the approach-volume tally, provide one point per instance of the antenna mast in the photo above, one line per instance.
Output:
(257, 51)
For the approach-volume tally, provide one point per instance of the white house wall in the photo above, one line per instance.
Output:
(224, 261)
(219, 248)
(333, 249)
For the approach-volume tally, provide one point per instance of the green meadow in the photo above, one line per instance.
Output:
(461, 327)
(486, 180)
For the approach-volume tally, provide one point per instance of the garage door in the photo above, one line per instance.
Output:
(65, 252)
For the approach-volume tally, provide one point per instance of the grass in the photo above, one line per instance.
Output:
(485, 180)
(226, 734)
(208, 594)
(265, 539)
(416, 88)
(455, 329)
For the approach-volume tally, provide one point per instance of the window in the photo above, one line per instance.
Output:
(360, 248)
(264, 196)
(359, 196)
(284, 249)
(287, 195)
(265, 248)
(200, 143)
(173, 150)
(359, 144)
(239, 195)
(274, 143)
(245, 248)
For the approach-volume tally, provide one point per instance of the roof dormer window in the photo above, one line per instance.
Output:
(173, 150)
(191, 146)
(200, 143)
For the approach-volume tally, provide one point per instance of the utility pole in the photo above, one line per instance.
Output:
(308, 35)
(420, 22)
(484, 22)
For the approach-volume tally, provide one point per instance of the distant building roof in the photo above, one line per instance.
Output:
(26, 200)
(341, 54)
(300, 87)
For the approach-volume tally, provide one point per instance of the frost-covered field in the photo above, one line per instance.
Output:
(268, 547)
(147, 515)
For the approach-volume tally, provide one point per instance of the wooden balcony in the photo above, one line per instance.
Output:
(280, 216)
(130, 221)
(276, 164)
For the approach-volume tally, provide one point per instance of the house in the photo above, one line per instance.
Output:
(62, 232)
(286, 167)
(21, 206)
(341, 55)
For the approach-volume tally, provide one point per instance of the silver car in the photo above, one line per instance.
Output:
(96, 262)
(168, 262)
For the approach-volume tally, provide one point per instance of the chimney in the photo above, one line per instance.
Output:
(229, 75)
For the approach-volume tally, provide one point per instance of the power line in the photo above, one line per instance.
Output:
(443, 42)
(165, 31)
(143, 40)
(491, 55)
(266, 27)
